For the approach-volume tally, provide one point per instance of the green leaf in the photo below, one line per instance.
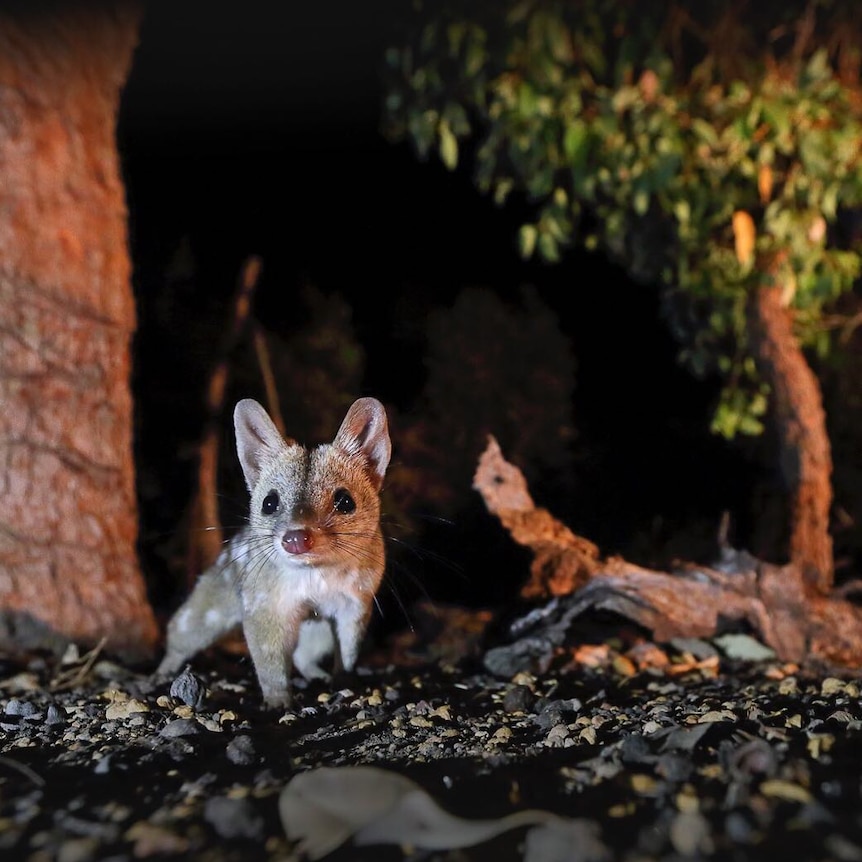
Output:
(556, 112)
(475, 57)
(456, 117)
(501, 191)
(829, 202)
(817, 68)
(758, 404)
(526, 99)
(682, 210)
(420, 125)
(455, 34)
(705, 131)
(527, 236)
(576, 141)
(448, 145)
(560, 43)
(748, 424)
(723, 422)
(549, 248)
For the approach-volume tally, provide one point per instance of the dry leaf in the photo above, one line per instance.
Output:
(592, 655)
(743, 236)
(716, 715)
(646, 654)
(817, 229)
(565, 841)
(325, 807)
(737, 645)
(764, 183)
(785, 790)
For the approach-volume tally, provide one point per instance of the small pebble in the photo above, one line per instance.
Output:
(189, 689)
(518, 699)
(55, 714)
(240, 750)
(180, 727)
(20, 707)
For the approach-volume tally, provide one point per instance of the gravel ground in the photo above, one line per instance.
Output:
(653, 754)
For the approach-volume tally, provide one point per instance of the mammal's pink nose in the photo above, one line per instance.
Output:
(297, 541)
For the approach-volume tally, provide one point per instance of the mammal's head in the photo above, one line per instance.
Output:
(320, 504)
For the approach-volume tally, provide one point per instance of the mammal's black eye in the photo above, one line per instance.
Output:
(270, 503)
(342, 501)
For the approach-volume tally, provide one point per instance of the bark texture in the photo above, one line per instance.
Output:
(68, 510)
(805, 452)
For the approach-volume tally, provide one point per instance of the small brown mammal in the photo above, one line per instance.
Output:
(302, 575)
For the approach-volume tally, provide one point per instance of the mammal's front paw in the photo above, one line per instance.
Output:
(314, 671)
(277, 700)
(167, 668)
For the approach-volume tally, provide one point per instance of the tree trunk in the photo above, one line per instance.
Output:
(68, 509)
(804, 449)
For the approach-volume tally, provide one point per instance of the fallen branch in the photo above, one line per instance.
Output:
(273, 404)
(562, 561)
(75, 676)
(817, 632)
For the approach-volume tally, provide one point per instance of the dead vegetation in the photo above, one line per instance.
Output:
(775, 602)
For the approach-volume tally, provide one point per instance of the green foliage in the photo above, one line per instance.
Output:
(704, 166)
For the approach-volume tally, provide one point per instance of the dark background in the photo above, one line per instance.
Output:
(254, 128)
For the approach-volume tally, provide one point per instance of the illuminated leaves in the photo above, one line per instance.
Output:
(527, 240)
(448, 146)
(694, 180)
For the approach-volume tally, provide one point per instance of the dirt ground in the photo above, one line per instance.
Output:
(643, 753)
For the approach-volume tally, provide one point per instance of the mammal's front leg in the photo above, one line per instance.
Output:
(210, 612)
(316, 643)
(350, 625)
(271, 640)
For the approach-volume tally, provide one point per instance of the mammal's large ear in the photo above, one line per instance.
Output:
(257, 439)
(365, 432)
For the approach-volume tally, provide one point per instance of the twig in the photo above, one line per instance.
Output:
(205, 537)
(265, 363)
(804, 31)
(76, 675)
(24, 770)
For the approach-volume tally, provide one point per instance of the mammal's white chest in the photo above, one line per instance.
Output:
(284, 585)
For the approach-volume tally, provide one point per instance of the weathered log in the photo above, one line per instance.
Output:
(562, 561)
(814, 631)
